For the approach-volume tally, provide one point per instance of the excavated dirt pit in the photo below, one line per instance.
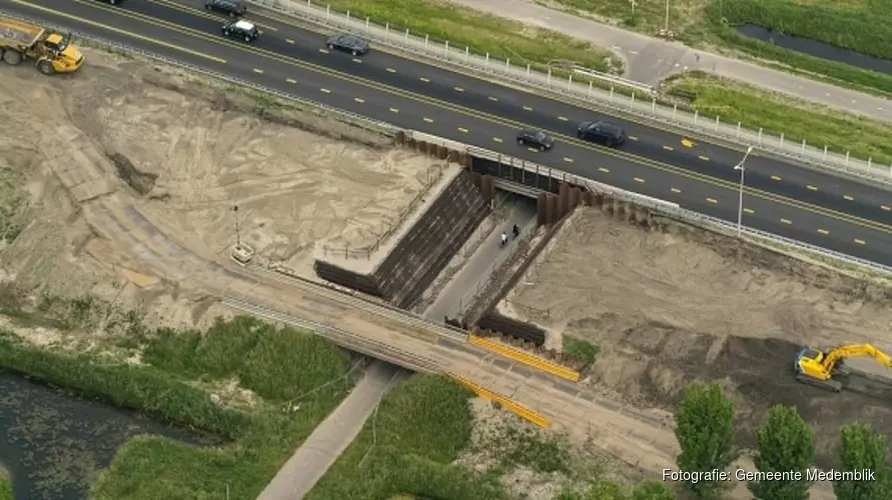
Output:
(182, 151)
(670, 307)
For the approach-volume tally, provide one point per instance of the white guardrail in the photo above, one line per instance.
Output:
(655, 204)
(648, 109)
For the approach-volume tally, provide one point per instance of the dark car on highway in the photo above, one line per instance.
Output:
(232, 8)
(603, 132)
(535, 139)
(348, 43)
(243, 29)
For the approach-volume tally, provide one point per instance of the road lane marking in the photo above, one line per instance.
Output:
(534, 150)
(848, 198)
(860, 242)
(712, 200)
(602, 169)
(812, 188)
(291, 80)
(632, 138)
(884, 207)
(527, 108)
(704, 158)
(394, 110)
(458, 89)
(359, 100)
(326, 91)
(842, 216)
(823, 231)
(775, 178)
(674, 190)
(497, 139)
(562, 118)
(786, 221)
(428, 120)
(491, 98)
(639, 179)
(425, 80)
(324, 51)
(749, 210)
(667, 148)
(258, 71)
(687, 143)
(357, 60)
(391, 70)
(122, 32)
(288, 40)
(463, 130)
(568, 160)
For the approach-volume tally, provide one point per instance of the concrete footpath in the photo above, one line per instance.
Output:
(330, 438)
(649, 60)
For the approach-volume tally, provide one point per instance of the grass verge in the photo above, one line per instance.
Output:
(481, 33)
(5, 487)
(777, 114)
(408, 446)
(262, 377)
(580, 348)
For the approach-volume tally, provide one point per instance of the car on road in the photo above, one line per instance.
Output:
(348, 43)
(535, 139)
(246, 30)
(603, 132)
(232, 8)
(113, 2)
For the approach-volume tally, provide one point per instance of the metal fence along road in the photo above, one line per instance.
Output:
(648, 108)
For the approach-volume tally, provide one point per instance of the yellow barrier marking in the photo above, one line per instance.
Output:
(394, 110)
(288, 40)
(848, 198)
(687, 143)
(704, 158)
(749, 210)
(326, 91)
(497, 139)
(812, 188)
(860, 242)
(639, 179)
(602, 169)
(491, 98)
(633, 138)
(519, 409)
(291, 80)
(667, 148)
(458, 89)
(423, 79)
(391, 70)
(463, 130)
(428, 120)
(122, 32)
(786, 221)
(823, 231)
(562, 118)
(525, 358)
(359, 100)
(675, 190)
(775, 178)
(527, 108)
(712, 200)
(258, 71)
(568, 160)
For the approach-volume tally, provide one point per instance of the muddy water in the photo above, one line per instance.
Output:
(53, 444)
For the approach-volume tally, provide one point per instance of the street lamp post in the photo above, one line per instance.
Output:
(740, 166)
(238, 237)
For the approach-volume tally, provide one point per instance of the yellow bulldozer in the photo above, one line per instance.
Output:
(823, 368)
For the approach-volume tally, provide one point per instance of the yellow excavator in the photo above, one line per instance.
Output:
(817, 367)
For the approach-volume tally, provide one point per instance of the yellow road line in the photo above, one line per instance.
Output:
(704, 158)
(291, 80)
(463, 130)
(712, 200)
(359, 100)
(823, 231)
(812, 188)
(122, 32)
(497, 139)
(674, 190)
(203, 13)
(602, 169)
(860, 242)
(488, 117)
(639, 179)
(749, 210)
(786, 221)
(517, 408)
(525, 357)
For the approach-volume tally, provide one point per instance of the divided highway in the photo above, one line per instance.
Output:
(835, 213)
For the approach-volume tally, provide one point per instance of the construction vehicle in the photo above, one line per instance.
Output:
(822, 368)
(52, 51)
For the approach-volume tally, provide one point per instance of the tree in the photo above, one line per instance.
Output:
(862, 449)
(705, 433)
(653, 490)
(785, 443)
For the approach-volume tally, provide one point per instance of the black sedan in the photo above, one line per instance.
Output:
(348, 43)
(535, 139)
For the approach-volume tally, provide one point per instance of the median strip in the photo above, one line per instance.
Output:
(525, 358)
(517, 408)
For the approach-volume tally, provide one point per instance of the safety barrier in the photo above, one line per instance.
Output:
(524, 357)
(645, 107)
(522, 411)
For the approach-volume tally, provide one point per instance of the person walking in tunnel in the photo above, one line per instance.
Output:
(504, 240)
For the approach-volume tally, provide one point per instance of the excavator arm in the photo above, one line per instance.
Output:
(817, 367)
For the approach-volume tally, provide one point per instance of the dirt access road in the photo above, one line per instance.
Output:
(669, 307)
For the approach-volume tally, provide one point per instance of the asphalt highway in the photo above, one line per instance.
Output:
(820, 209)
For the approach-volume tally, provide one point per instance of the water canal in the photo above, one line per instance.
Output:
(53, 443)
(816, 48)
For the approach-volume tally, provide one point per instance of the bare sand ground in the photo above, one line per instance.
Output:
(670, 307)
(188, 150)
